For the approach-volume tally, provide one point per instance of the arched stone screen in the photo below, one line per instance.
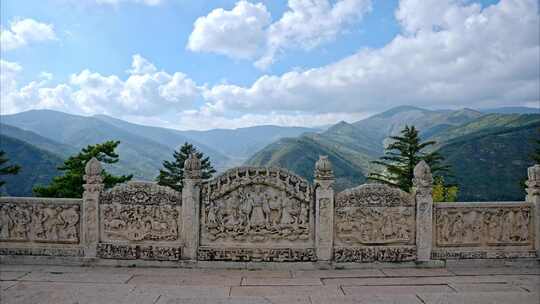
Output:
(136, 214)
(257, 214)
(374, 222)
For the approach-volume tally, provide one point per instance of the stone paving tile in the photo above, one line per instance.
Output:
(11, 275)
(489, 278)
(5, 285)
(263, 291)
(281, 282)
(80, 277)
(234, 300)
(485, 287)
(481, 298)
(368, 299)
(47, 292)
(181, 291)
(395, 289)
(416, 272)
(494, 270)
(190, 280)
(386, 281)
(353, 273)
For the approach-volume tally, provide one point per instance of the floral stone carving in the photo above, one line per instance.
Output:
(483, 226)
(256, 206)
(40, 222)
(140, 211)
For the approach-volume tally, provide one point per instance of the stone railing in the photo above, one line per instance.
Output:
(255, 215)
(40, 226)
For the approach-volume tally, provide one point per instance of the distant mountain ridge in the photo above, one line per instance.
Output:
(354, 146)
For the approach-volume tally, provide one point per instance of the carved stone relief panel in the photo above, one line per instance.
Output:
(257, 254)
(254, 206)
(374, 215)
(140, 211)
(143, 252)
(477, 226)
(40, 220)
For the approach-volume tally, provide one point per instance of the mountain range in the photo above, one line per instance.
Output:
(470, 139)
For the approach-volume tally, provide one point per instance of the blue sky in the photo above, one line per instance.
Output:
(307, 81)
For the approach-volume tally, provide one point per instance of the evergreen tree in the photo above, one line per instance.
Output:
(402, 155)
(70, 184)
(443, 192)
(5, 170)
(172, 174)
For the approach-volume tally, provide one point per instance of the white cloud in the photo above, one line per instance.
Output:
(310, 23)
(238, 33)
(116, 2)
(469, 57)
(475, 57)
(24, 32)
(246, 31)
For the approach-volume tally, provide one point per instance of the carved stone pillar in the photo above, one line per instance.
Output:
(90, 211)
(191, 193)
(324, 209)
(533, 196)
(423, 186)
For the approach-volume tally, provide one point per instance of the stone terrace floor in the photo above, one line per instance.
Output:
(65, 284)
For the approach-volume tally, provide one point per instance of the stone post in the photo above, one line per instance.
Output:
(423, 186)
(324, 209)
(191, 193)
(533, 196)
(90, 210)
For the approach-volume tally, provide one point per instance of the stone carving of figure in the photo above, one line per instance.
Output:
(304, 214)
(6, 223)
(70, 217)
(258, 218)
(211, 219)
(507, 225)
(523, 226)
(387, 226)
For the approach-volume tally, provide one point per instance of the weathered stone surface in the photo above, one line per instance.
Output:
(257, 254)
(190, 280)
(480, 298)
(281, 282)
(143, 252)
(286, 290)
(483, 230)
(368, 299)
(324, 208)
(398, 289)
(40, 220)
(234, 300)
(407, 272)
(79, 277)
(328, 274)
(423, 186)
(374, 222)
(11, 275)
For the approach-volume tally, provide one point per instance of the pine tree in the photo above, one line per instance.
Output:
(70, 184)
(172, 174)
(402, 155)
(5, 170)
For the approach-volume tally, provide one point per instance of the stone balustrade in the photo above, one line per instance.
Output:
(250, 214)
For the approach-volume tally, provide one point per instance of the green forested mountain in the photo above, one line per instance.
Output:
(37, 166)
(492, 165)
(499, 143)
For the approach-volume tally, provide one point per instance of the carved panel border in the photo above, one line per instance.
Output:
(483, 226)
(370, 254)
(40, 220)
(134, 252)
(257, 254)
(141, 193)
(445, 254)
(42, 251)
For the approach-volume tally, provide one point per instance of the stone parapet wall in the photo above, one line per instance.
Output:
(40, 226)
(268, 215)
(483, 230)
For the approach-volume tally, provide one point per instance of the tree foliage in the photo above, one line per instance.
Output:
(402, 155)
(7, 169)
(70, 184)
(442, 192)
(172, 174)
